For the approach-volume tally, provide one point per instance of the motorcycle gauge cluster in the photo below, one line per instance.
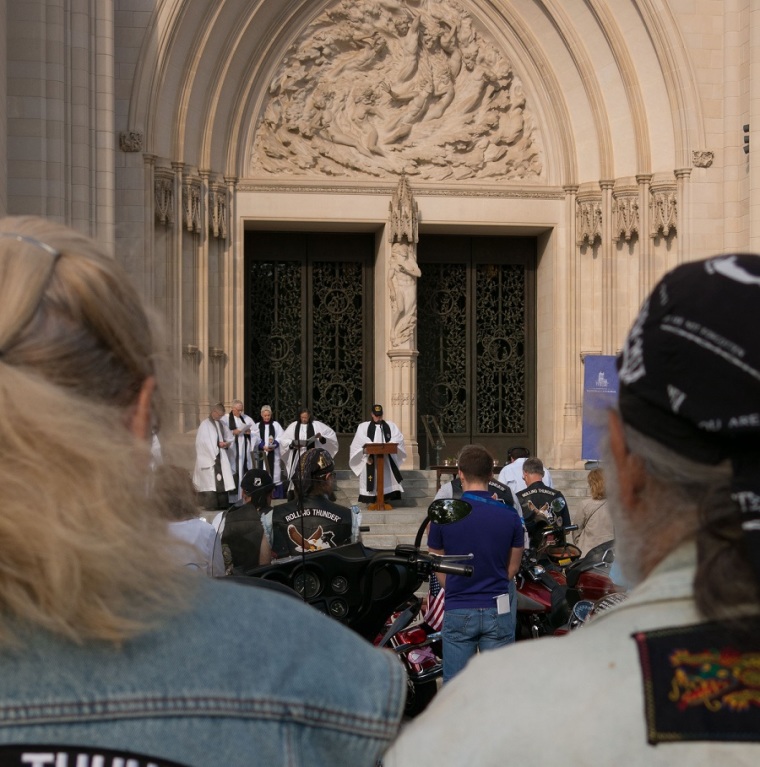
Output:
(307, 584)
(339, 584)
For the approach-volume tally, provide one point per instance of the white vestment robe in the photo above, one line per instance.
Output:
(240, 448)
(358, 458)
(206, 450)
(299, 431)
(272, 433)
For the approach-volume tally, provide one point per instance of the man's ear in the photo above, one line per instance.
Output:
(630, 468)
(139, 422)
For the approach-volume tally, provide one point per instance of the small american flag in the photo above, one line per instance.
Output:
(434, 614)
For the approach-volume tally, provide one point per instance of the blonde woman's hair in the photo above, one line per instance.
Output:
(83, 550)
(596, 484)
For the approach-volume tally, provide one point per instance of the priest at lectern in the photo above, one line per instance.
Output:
(377, 431)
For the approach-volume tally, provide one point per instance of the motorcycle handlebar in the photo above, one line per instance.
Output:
(465, 570)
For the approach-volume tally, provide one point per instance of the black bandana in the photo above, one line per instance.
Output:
(690, 373)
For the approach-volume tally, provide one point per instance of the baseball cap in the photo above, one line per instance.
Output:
(257, 483)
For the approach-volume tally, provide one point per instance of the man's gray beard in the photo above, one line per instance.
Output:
(628, 544)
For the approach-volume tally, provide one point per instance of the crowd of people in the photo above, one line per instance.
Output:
(227, 445)
(108, 640)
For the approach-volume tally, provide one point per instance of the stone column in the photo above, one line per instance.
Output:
(403, 273)
(148, 282)
(646, 269)
(609, 281)
(754, 125)
(683, 192)
(234, 317)
(104, 138)
(176, 277)
(3, 117)
(572, 404)
(204, 304)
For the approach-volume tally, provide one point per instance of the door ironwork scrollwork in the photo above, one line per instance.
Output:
(476, 359)
(308, 331)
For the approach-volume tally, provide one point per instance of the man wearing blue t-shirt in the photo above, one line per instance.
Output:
(480, 610)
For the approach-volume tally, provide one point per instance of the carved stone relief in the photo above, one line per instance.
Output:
(588, 221)
(625, 216)
(131, 141)
(663, 210)
(403, 220)
(164, 197)
(403, 270)
(217, 219)
(396, 87)
(702, 158)
(191, 205)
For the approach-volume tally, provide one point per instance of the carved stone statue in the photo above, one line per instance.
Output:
(403, 272)
(396, 87)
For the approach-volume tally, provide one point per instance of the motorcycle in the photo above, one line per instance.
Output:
(555, 577)
(542, 605)
(586, 609)
(588, 578)
(363, 587)
(419, 648)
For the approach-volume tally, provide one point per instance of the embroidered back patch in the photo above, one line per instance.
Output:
(702, 682)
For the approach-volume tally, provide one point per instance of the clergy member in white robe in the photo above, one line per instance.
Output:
(212, 476)
(303, 434)
(267, 447)
(363, 465)
(241, 426)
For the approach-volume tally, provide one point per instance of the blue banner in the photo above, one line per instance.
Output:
(600, 391)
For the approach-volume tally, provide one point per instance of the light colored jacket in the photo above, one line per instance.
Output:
(572, 700)
(246, 678)
(594, 524)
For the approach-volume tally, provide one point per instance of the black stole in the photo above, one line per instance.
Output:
(268, 457)
(371, 466)
(309, 430)
(246, 445)
(218, 475)
(309, 434)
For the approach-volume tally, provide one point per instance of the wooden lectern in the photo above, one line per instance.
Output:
(380, 450)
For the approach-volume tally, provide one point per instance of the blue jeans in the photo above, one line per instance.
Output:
(476, 629)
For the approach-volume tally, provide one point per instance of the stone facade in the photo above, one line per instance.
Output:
(610, 131)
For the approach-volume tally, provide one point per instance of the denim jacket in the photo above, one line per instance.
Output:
(245, 677)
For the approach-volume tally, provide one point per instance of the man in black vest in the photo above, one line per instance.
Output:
(244, 544)
(311, 521)
(539, 501)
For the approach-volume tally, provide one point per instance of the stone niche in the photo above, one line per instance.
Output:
(377, 89)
